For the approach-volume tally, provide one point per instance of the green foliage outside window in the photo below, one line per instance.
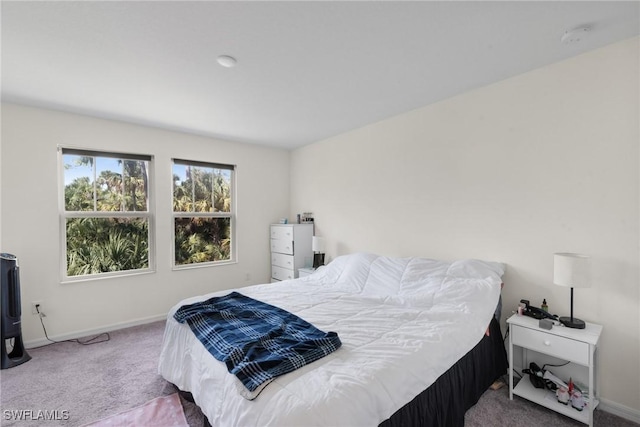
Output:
(102, 245)
(202, 240)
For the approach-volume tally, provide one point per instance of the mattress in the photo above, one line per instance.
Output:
(403, 322)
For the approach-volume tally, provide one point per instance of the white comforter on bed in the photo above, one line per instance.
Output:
(402, 321)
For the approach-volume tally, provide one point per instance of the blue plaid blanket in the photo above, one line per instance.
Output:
(256, 341)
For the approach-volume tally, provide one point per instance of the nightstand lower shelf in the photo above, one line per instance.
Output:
(548, 399)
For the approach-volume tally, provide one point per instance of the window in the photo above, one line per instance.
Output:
(203, 213)
(106, 221)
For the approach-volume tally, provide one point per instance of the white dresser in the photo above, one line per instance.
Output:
(290, 250)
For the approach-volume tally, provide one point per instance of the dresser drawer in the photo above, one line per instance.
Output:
(281, 232)
(280, 273)
(282, 260)
(282, 246)
(543, 342)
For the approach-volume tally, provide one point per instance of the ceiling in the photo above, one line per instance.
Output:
(306, 70)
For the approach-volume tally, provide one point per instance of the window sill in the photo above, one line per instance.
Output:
(103, 276)
(202, 265)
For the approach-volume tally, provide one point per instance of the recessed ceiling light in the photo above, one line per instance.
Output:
(575, 35)
(227, 61)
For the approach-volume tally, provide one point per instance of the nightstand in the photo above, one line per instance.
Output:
(302, 272)
(555, 347)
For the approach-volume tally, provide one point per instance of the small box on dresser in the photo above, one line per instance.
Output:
(290, 250)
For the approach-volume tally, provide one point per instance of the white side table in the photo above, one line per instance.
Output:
(302, 272)
(553, 346)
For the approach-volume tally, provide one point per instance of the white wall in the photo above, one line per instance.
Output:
(30, 220)
(541, 163)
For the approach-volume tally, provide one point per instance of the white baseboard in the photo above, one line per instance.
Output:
(88, 332)
(620, 410)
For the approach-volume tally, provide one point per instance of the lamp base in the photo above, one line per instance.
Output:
(318, 260)
(572, 322)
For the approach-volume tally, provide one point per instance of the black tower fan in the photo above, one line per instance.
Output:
(11, 323)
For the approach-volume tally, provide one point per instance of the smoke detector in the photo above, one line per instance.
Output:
(575, 35)
(227, 61)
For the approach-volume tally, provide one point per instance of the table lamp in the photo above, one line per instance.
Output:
(317, 246)
(571, 270)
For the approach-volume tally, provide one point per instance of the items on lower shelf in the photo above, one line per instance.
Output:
(565, 391)
(548, 399)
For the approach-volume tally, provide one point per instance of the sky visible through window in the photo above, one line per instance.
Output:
(73, 169)
(181, 172)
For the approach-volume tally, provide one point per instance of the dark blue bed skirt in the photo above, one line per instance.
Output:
(446, 401)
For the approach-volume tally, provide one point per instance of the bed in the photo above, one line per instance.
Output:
(416, 347)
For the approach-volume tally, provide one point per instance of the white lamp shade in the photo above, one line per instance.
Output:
(571, 270)
(317, 244)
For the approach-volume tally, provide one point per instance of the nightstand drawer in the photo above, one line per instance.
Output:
(543, 342)
(282, 260)
(281, 273)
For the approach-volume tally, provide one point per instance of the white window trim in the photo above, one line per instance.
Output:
(231, 215)
(64, 215)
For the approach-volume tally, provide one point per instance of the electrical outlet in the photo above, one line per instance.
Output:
(33, 306)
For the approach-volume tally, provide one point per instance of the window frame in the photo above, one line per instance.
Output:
(233, 259)
(64, 215)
